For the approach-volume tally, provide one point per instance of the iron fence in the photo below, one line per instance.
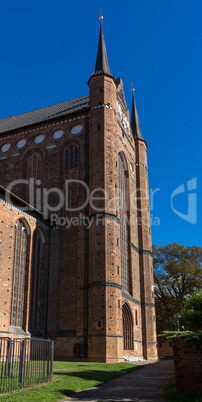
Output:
(24, 362)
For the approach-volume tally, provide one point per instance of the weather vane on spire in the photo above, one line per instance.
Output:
(100, 12)
(132, 89)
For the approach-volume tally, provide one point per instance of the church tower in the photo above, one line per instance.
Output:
(144, 236)
(121, 317)
(102, 336)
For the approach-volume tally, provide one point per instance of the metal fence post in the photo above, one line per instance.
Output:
(8, 359)
(51, 360)
(22, 363)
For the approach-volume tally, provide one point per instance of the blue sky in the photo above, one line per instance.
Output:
(48, 53)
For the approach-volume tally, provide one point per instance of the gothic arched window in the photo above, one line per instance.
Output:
(128, 343)
(34, 166)
(124, 224)
(71, 157)
(35, 278)
(34, 171)
(18, 281)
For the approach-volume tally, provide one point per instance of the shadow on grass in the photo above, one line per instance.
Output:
(99, 375)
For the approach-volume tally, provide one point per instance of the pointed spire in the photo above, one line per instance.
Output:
(102, 65)
(135, 125)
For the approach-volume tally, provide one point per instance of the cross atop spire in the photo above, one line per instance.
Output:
(102, 65)
(135, 125)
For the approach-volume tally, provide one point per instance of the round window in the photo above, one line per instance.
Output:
(57, 134)
(21, 143)
(76, 129)
(39, 138)
(5, 147)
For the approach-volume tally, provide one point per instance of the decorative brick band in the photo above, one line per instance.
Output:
(41, 127)
(146, 252)
(106, 284)
(143, 251)
(129, 297)
(140, 164)
(149, 342)
(135, 248)
(148, 304)
(125, 295)
(108, 335)
(103, 105)
(115, 285)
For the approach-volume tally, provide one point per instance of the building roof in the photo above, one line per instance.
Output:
(135, 125)
(44, 114)
(102, 65)
(16, 201)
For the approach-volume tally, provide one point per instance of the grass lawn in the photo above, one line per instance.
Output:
(170, 394)
(69, 378)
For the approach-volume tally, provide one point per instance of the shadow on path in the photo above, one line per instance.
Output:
(142, 385)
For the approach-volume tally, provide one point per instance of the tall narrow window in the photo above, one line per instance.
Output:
(34, 171)
(124, 225)
(128, 343)
(19, 263)
(76, 157)
(71, 157)
(35, 280)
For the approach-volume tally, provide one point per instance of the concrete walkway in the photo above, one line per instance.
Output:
(144, 385)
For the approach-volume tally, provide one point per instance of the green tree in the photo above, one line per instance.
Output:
(191, 316)
(177, 277)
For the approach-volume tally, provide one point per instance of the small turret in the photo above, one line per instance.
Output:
(135, 125)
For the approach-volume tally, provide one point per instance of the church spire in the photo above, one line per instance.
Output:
(102, 65)
(135, 125)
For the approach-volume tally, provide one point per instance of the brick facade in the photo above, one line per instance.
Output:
(10, 214)
(165, 348)
(188, 366)
(84, 278)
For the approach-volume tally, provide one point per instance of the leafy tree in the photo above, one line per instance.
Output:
(177, 277)
(191, 316)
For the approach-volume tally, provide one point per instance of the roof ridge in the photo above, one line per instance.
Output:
(54, 104)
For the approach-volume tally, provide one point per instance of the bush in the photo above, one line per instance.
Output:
(195, 338)
(191, 315)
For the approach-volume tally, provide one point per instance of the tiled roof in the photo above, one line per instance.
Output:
(44, 114)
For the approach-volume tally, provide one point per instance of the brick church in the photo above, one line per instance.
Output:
(75, 235)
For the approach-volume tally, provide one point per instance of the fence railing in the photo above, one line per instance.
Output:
(24, 362)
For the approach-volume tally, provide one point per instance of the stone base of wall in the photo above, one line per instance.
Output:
(188, 366)
(9, 335)
(73, 349)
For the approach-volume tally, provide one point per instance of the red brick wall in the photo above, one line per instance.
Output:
(8, 217)
(165, 348)
(85, 295)
(188, 366)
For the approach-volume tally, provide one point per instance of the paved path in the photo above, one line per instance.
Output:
(144, 385)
